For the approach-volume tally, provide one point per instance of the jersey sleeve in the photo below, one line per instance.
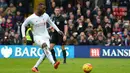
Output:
(52, 24)
(64, 21)
(25, 23)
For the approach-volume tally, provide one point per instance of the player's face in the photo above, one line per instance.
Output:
(57, 11)
(41, 9)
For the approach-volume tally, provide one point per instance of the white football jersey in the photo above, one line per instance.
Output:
(39, 25)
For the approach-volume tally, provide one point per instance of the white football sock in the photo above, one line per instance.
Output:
(40, 60)
(49, 55)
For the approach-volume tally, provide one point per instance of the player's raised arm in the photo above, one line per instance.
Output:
(54, 26)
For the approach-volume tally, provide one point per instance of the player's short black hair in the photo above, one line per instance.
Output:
(40, 4)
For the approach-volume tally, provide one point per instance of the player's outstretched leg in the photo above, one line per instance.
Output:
(49, 56)
(35, 68)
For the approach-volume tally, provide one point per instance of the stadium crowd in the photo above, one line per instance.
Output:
(89, 22)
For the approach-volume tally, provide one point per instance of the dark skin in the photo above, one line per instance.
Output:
(40, 10)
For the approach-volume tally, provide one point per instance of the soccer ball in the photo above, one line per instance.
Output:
(87, 68)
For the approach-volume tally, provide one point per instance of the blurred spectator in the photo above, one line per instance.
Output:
(1, 34)
(26, 4)
(108, 4)
(126, 41)
(11, 8)
(116, 40)
(80, 26)
(72, 41)
(116, 28)
(53, 5)
(108, 42)
(48, 7)
(16, 40)
(108, 12)
(71, 28)
(109, 35)
(5, 39)
(90, 39)
(69, 8)
(21, 8)
(1, 11)
(100, 40)
(72, 17)
(92, 2)
(125, 33)
(78, 9)
(88, 14)
(87, 6)
(78, 14)
(8, 12)
(98, 22)
(99, 3)
(18, 22)
(82, 39)
(3, 24)
(0, 19)
(89, 28)
(99, 28)
(99, 14)
(9, 25)
(3, 5)
(97, 17)
(11, 17)
(82, 18)
(62, 11)
(107, 29)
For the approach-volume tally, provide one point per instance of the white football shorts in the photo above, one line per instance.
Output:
(39, 40)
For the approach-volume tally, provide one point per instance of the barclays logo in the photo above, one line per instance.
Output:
(6, 51)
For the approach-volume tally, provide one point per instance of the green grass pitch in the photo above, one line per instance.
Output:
(100, 65)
